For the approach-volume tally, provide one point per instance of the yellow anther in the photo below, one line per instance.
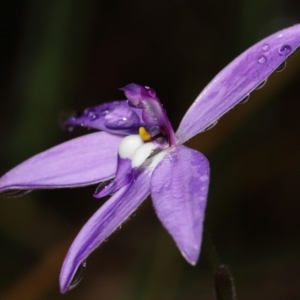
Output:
(144, 134)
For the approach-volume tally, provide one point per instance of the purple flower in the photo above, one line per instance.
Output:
(139, 150)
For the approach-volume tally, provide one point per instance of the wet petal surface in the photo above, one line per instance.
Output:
(114, 117)
(179, 187)
(104, 222)
(78, 162)
(237, 80)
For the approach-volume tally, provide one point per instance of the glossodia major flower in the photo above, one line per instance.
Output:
(138, 150)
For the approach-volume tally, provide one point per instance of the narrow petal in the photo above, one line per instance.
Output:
(145, 98)
(107, 219)
(234, 83)
(122, 177)
(179, 187)
(114, 117)
(78, 162)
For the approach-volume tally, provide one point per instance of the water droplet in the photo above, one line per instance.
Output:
(210, 126)
(204, 178)
(93, 116)
(280, 35)
(70, 128)
(150, 92)
(103, 185)
(261, 85)
(262, 59)
(265, 47)
(78, 276)
(104, 112)
(82, 124)
(285, 50)
(281, 67)
(245, 99)
(14, 193)
(89, 110)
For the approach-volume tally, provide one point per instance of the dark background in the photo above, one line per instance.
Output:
(64, 55)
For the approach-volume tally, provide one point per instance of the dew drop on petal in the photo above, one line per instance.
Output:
(204, 177)
(93, 116)
(245, 99)
(104, 112)
(285, 50)
(78, 276)
(265, 47)
(102, 186)
(280, 35)
(210, 126)
(262, 59)
(150, 91)
(14, 193)
(70, 128)
(281, 67)
(261, 85)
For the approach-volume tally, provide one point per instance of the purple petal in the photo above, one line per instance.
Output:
(123, 177)
(237, 80)
(82, 161)
(153, 113)
(179, 187)
(114, 117)
(107, 219)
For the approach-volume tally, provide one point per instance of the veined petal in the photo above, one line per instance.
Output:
(237, 80)
(179, 187)
(114, 117)
(82, 161)
(107, 219)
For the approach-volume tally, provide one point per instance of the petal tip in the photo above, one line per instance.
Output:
(193, 256)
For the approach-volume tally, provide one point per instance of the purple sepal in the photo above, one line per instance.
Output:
(114, 117)
(153, 113)
(103, 223)
(179, 187)
(82, 161)
(237, 80)
(123, 177)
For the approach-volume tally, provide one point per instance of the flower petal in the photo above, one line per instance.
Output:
(78, 162)
(237, 80)
(122, 177)
(179, 187)
(107, 219)
(114, 117)
(145, 98)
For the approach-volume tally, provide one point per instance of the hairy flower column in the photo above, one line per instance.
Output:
(139, 150)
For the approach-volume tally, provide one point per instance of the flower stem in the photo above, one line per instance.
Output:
(223, 280)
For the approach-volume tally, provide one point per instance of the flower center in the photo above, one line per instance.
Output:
(153, 113)
(138, 148)
(144, 134)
